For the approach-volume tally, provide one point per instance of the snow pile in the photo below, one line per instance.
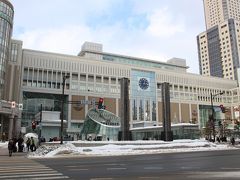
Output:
(111, 148)
(4, 144)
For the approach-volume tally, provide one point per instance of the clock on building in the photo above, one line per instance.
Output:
(143, 83)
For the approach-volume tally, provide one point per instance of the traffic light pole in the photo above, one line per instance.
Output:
(62, 109)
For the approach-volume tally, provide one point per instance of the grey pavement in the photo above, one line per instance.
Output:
(4, 152)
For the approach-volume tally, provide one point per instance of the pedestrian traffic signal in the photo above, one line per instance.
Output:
(222, 108)
(34, 125)
(100, 103)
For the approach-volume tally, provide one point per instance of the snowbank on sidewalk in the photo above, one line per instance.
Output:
(111, 148)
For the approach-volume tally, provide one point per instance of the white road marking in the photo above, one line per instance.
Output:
(153, 167)
(78, 169)
(114, 164)
(100, 178)
(21, 167)
(24, 172)
(216, 174)
(230, 168)
(29, 175)
(149, 177)
(56, 177)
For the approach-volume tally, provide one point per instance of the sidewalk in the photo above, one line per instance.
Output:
(4, 152)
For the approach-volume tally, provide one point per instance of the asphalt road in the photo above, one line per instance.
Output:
(223, 165)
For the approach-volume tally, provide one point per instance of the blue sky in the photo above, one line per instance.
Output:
(152, 29)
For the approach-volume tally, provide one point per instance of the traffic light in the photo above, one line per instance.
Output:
(33, 125)
(100, 103)
(222, 108)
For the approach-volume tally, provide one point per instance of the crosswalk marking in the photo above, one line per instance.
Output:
(27, 169)
(29, 175)
(42, 178)
(15, 173)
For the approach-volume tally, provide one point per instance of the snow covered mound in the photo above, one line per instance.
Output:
(111, 148)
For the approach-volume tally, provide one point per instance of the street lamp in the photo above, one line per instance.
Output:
(63, 87)
(213, 112)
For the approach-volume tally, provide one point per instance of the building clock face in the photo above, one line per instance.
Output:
(143, 83)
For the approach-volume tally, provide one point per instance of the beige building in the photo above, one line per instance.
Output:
(218, 11)
(34, 79)
(94, 74)
(219, 45)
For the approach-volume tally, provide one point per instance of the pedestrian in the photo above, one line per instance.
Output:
(28, 142)
(14, 144)
(32, 145)
(20, 144)
(10, 147)
(233, 141)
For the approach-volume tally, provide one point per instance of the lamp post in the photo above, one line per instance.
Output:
(213, 112)
(62, 109)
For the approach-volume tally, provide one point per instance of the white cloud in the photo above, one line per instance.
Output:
(164, 34)
(163, 24)
(66, 40)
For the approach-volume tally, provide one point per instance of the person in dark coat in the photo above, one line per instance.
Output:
(32, 145)
(14, 144)
(233, 141)
(20, 144)
(28, 142)
(10, 147)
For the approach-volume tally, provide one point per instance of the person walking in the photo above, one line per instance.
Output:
(28, 142)
(232, 141)
(10, 147)
(20, 144)
(32, 145)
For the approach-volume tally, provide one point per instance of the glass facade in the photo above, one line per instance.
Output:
(179, 132)
(101, 123)
(32, 103)
(141, 63)
(205, 111)
(14, 52)
(6, 24)
(143, 96)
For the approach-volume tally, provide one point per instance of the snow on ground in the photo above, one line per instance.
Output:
(3, 144)
(115, 148)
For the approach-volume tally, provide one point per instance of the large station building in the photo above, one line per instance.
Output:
(94, 73)
(34, 79)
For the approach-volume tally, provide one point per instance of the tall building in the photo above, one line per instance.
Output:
(10, 121)
(219, 45)
(6, 24)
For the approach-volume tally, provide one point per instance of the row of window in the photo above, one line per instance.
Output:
(4, 8)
